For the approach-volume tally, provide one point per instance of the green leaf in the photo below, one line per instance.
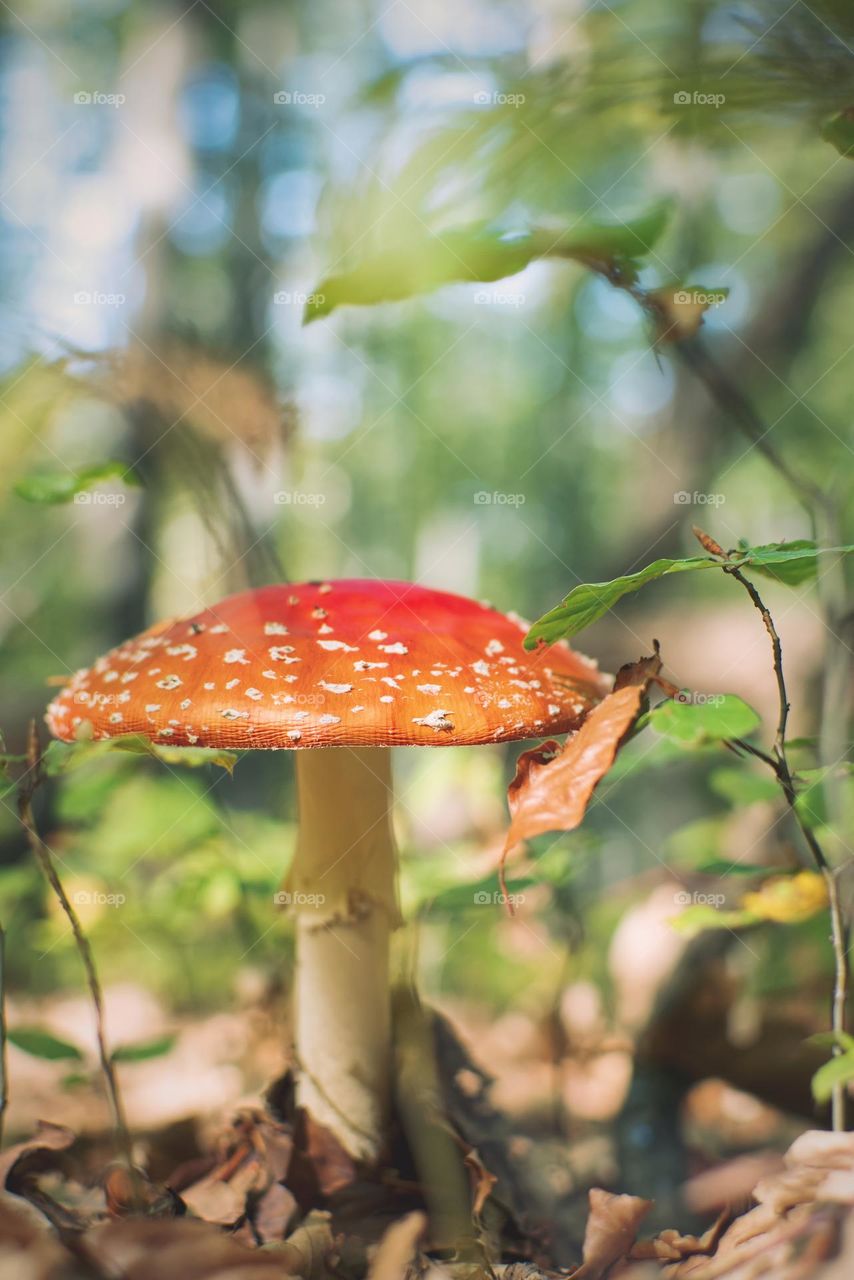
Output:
(830, 1039)
(838, 1071)
(811, 798)
(695, 919)
(480, 253)
(143, 1050)
(74, 1080)
(62, 756)
(64, 486)
(592, 600)
(743, 786)
(839, 132)
(41, 1044)
(724, 716)
(789, 562)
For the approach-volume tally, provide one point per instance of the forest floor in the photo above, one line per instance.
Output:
(233, 1183)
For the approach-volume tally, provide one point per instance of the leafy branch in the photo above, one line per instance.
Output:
(732, 721)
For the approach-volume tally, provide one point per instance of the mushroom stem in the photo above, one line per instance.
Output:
(343, 887)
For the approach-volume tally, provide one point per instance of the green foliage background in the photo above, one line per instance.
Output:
(508, 440)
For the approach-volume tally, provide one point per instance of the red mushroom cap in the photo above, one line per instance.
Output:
(354, 662)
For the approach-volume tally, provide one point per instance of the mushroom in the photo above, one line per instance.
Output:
(356, 667)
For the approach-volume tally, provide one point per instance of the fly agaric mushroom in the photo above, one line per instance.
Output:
(356, 666)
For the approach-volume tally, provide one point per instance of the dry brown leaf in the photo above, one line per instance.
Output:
(483, 1181)
(397, 1248)
(672, 1246)
(552, 794)
(274, 1211)
(183, 1250)
(611, 1231)
(318, 1159)
(27, 1250)
(22, 1160)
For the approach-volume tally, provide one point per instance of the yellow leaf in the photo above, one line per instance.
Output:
(788, 899)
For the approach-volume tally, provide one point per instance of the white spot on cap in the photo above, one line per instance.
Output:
(324, 588)
(494, 647)
(391, 681)
(187, 702)
(192, 738)
(386, 698)
(504, 702)
(429, 688)
(282, 653)
(362, 664)
(237, 655)
(330, 720)
(185, 651)
(116, 717)
(128, 676)
(337, 644)
(232, 684)
(229, 713)
(169, 682)
(437, 720)
(335, 688)
(152, 706)
(480, 668)
(275, 629)
(378, 635)
(110, 677)
(209, 684)
(300, 715)
(325, 629)
(553, 709)
(294, 735)
(355, 709)
(255, 694)
(269, 675)
(166, 733)
(397, 647)
(219, 630)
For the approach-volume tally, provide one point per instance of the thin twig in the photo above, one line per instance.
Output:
(29, 783)
(780, 765)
